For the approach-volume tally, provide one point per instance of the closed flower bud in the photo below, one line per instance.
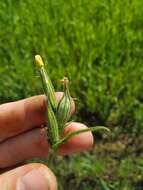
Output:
(39, 61)
(64, 106)
(47, 84)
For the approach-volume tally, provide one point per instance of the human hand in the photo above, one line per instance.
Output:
(22, 137)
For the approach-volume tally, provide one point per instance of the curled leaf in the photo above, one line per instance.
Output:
(72, 134)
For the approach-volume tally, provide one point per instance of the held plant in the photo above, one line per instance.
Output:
(58, 114)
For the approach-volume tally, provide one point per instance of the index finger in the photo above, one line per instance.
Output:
(14, 150)
(20, 116)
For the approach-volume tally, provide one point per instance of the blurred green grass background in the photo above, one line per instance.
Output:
(98, 44)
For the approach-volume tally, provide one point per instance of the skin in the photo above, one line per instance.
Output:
(23, 136)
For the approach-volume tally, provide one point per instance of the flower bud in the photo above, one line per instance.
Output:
(47, 84)
(64, 106)
(39, 61)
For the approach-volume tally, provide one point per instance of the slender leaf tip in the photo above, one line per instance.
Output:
(38, 61)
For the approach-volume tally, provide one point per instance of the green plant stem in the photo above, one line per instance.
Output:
(51, 156)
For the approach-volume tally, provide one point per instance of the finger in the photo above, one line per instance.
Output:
(78, 143)
(29, 177)
(23, 115)
(34, 144)
(23, 147)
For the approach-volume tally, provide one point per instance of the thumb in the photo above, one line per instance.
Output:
(29, 177)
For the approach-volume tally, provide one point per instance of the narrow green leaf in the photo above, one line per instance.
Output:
(52, 129)
(72, 134)
(104, 185)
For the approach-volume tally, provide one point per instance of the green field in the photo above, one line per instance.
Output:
(98, 44)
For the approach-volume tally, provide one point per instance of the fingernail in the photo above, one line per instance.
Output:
(37, 179)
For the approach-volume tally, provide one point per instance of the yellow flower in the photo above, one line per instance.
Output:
(38, 61)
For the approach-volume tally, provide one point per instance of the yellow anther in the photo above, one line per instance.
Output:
(38, 61)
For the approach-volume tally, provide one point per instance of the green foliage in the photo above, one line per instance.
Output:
(98, 44)
(126, 168)
(93, 171)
